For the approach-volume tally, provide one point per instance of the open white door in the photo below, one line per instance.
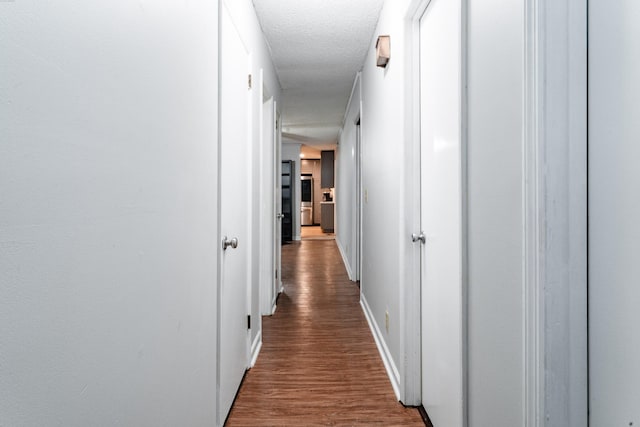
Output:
(235, 190)
(441, 213)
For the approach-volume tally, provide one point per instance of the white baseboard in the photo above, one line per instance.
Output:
(385, 354)
(256, 345)
(345, 260)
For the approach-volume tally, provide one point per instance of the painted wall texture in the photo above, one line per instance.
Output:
(384, 239)
(108, 213)
(495, 177)
(614, 207)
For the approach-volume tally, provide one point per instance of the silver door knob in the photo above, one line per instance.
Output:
(418, 237)
(279, 216)
(226, 243)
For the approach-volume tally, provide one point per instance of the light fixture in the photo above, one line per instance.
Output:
(383, 51)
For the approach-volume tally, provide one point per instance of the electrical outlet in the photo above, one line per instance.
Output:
(386, 320)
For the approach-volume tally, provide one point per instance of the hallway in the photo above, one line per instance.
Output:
(319, 363)
(141, 189)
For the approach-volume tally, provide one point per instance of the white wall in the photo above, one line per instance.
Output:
(108, 236)
(614, 209)
(291, 151)
(384, 239)
(245, 19)
(346, 202)
(495, 216)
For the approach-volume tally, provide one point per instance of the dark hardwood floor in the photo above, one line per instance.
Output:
(319, 364)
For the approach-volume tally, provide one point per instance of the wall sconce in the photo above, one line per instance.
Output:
(383, 51)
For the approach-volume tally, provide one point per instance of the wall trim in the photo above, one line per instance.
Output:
(256, 346)
(533, 222)
(555, 213)
(385, 354)
(345, 259)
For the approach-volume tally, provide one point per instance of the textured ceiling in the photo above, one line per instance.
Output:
(317, 46)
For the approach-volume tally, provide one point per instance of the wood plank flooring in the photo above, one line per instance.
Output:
(319, 364)
(314, 232)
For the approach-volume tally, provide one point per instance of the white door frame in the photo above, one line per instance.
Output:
(555, 213)
(277, 214)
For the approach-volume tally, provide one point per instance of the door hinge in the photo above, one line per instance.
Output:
(249, 321)
(249, 81)
(276, 273)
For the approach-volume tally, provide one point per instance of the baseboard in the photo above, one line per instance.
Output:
(256, 346)
(425, 416)
(345, 260)
(385, 354)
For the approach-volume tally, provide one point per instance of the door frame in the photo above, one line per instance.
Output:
(554, 156)
(267, 247)
(411, 392)
(277, 214)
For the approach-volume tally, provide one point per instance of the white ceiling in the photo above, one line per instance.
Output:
(317, 46)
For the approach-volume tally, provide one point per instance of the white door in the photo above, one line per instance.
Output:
(234, 212)
(614, 213)
(441, 213)
(278, 204)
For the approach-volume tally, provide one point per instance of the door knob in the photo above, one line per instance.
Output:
(418, 237)
(279, 216)
(226, 243)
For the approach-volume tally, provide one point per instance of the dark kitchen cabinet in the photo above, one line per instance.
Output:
(326, 222)
(326, 171)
